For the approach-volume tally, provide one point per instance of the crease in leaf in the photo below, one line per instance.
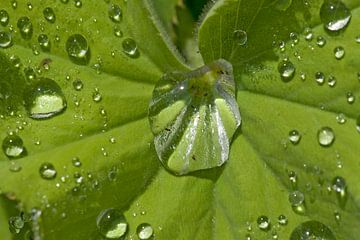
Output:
(194, 116)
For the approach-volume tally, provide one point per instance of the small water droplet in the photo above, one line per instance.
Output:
(49, 15)
(282, 219)
(308, 34)
(118, 32)
(296, 198)
(240, 37)
(76, 162)
(320, 41)
(78, 49)
(4, 17)
(111, 224)
(5, 39)
(326, 136)
(294, 137)
(312, 230)
(294, 37)
(144, 231)
(341, 118)
(358, 124)
(339, 52)
(293, 179)
(263, 223)
(286, 70)
(47, 171)
(335, 15)
(350, 97)
(337, 216)
(78, 3)
(13, 146)
(44, 99)
(25, 26)
(331, 81)
(357, 39)
(130, 48)
(44, 42)
(78, 85)
(320, 78)
(96, 96)
(115, 13)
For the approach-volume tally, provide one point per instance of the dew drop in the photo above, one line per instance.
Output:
(286, 70)
(240, 37)
(78, 3)
(130, 48)
(293, 179)
(337, 216)
(357, 39)
(96, 96)
(117, 32)
(47, 171)
(78, 85)
(5, 39)
(312, 230)
(340, 188)
(111, 224)
(115, 13)
(4, 17)
(263, 223)
(341, 118)
(294, 137)
(25, 26)
(331, 81)
(350, 97)
(339, 52)
(144, 231)
(320, 78)
(78, 49)
(326, 136)
(13, 146)
(44, 99)
(296, 198)
(294, 37)
(320, 41)
(335, 15)
(282, 219)
(308, 34)
(44, 42)
(49, 15)
(358, 124)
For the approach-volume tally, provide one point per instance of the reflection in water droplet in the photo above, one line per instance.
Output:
(144, 231)
(294, 137)
(130, 48)
(47, 171)
(111, 224)
(339, 52)
(25, 26)
(13, 146)
(44, 99)
(49, 15)
(4, 17)
(115, 13)
(286, 70)
(5, 39)
(240, 37)
(326, 136)
(78, 49)
(334, 15)
(264, 223)
(312, 230)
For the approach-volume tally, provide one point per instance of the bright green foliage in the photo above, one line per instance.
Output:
(112, 138)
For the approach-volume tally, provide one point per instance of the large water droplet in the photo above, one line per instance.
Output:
(49, 15)
(286, 70)
(111, 224)
(25, 26)
(326, 136)
(312, 230)
(334, 15)
(115, 13)
(130, 48)
(144, 231)
(5, 39)
(47, 171)
(194, 116)
(4, 17)
(44, 99)
(13, 146)
(78, 49)
(240, 37)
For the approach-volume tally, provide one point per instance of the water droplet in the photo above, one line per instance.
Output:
(308, 34)
(294, 137)
(5, 39)
(118, 32)
(115, 13)
(49, 15)
(14, 4)
(144, 231)
(130, 48)
(320, 41)
(293, 179)
(96, 96)
(78, 3)
(76, 162)
(240, 37)
(263, 223)
(78, 85)
(47, 171)
(296, 198)
(340, 188)
(111, 224)
(358, 124)
(339, 52)
(286, 70)
(357, 39)
(78, 49)
(326, 136)
(4, 17)
(334, 15)
(331, 81)
(193, 116)
(350, 97)
(294, 37)
(44, 42)
(282, 219)
(312, 230)
(13, 146)
(341, 118)
(16, 224)
(320, 78)
(337, 216)
(44, 99)
(25, 26)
